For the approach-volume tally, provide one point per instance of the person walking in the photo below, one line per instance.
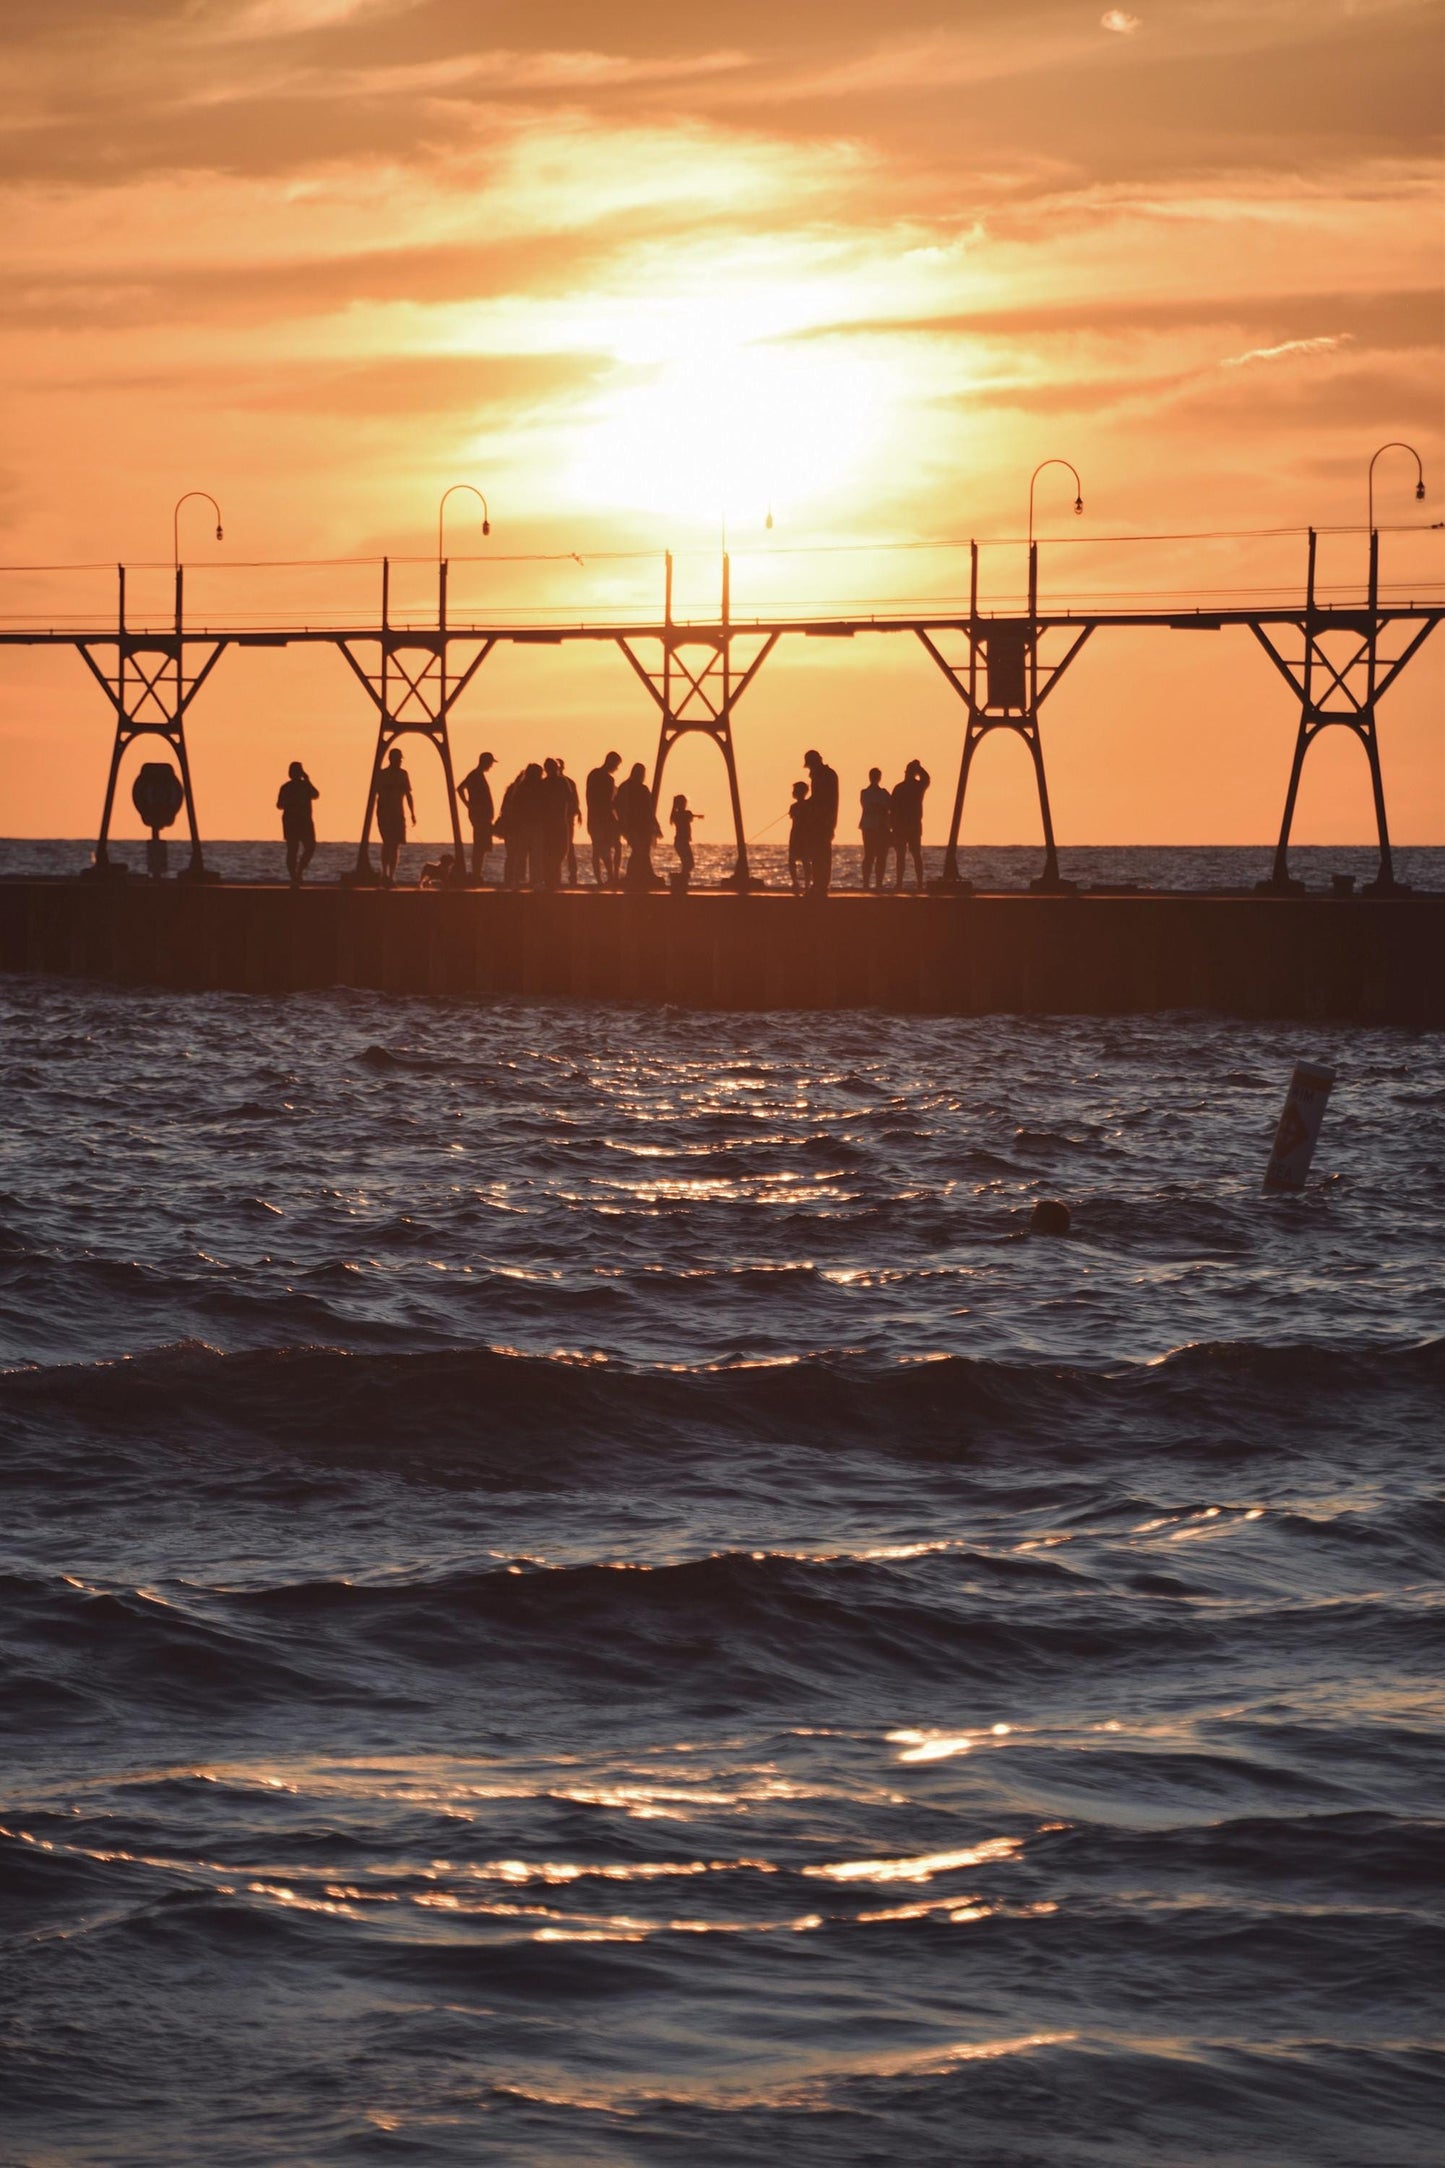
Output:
(475, 793)
(906, 822)
(393, 803)
(875, 804)
(638, 825)
(802, 849)
(602, 830)
(682, 820)
(823, 797)
(297, 795)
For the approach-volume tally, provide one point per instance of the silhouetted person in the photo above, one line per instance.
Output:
(682, 820)
(509, 827)
(823, 797)
(554, 801)
(602, 829)
(638, 824)
(875, 805)
(574, 814)
(440, 874)
(393, 803)
(802, 826)
(475, 793)
(529, 812)
(906, 827)
(294, 800)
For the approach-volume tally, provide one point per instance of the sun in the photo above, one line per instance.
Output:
(721, 428)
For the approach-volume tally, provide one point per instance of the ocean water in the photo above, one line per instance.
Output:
(988, 866)
(577, 1588)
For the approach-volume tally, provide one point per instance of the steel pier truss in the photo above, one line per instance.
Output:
(413, 689)
(149, 691)
(1003, 660)
(696, 681)
(1334, 662)
(1338, 661)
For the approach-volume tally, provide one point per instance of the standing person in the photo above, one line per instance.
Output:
(509, 828)
(801, 844)
(393, 802)
(638, 825)
(875, 804)
(294, 801)
(906, 833)
(530, 817)
(602, 829)
(574, 814)
(823, 797)
(475, 793)
(682, 820)
(553, 803)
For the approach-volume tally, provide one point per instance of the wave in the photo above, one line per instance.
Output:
(415, 1408)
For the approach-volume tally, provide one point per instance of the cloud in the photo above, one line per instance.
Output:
(1115, 19)
(293, 18)
(1320, 345)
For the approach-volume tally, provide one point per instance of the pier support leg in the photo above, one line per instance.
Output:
(1334, 663)
(1003, 681)
(696, 682)
(150, 688)
(413, 693)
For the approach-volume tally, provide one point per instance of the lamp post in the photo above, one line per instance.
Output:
(471, 487)
(1038, 470)
(1078, 508)
(727, 560)
(472, 490)
(207, 498)
(1394, 446)
(176, 521)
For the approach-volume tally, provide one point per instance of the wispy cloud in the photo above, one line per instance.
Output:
(1116, 20)
(293, 18)
(1321, 345)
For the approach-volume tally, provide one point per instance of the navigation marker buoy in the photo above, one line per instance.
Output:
(1299, 1126)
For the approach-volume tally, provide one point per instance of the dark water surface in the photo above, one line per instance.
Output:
(577, 1589)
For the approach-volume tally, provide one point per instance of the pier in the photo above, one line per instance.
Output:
(1373, 956)
(1360, 959)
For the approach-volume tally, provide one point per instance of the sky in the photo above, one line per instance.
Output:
(642, 273)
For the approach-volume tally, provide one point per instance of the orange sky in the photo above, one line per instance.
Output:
(635, 268)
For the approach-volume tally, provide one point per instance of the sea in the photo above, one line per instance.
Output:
(578, 1588)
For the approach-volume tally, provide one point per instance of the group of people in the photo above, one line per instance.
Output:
(540, 811)
(890, 823)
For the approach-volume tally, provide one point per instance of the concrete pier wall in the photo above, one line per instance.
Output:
(1377, 960)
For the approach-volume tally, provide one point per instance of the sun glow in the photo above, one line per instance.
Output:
(718, 426)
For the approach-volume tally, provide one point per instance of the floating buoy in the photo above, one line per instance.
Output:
(1299, 1126)
(1050, 1216)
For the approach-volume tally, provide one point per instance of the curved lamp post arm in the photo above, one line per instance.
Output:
(442, 512)
(1038, 470)
(176, 521)
(1394, 446)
